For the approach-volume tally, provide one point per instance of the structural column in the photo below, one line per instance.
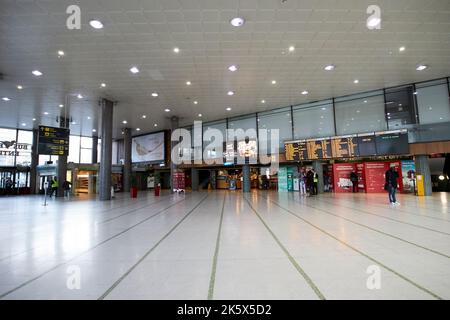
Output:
(34, 163)
(127, 159)
(246, 187)
(173, 166)
(318, 168)
(94, 149)
(423, 168)
(62, 163)
(106, 154)
(194, 179)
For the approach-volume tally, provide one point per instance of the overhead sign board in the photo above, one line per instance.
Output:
(53, 141)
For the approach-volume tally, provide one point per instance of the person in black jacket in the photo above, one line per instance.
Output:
(391, 184)
(354, 180)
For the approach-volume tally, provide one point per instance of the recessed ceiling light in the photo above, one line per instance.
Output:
(176, 50)
(274, 82)
(34, 119)
(61, 53)
(79, 96)
(103, 85)
(330, 67)
(144, 116)
(155, 125)
(19, 87)
(356, 81)
(94, 130)
(89, 118)
(415, 92)
(188, 83)
(138, 129)
(195, 102)
(6, 99)
(96, 24)
(155, 94)
(124, 121)
(230, 93)
(200, 115)
(46, 113)
(305, 92)
(167, 110)
(61, 106)
(237, 22)
(365, 101)
(263, 101)
(24, 124)
(232, 68)
(291, 49)
(37, 73)
(228, 109)
(421, 67)
(134, 70)
(401, 49)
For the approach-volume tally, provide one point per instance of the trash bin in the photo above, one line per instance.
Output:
(157, 190)
(133, 192)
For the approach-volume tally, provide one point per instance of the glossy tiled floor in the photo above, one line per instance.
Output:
(223, 245)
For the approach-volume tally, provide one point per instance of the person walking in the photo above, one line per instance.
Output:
(315, 182)
(354, 180)
(302, 182)
(9, 186)
(66, 186)
(309, 182)
(54, 186)
(391, 184)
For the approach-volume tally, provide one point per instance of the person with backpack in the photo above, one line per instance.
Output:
(391, 184)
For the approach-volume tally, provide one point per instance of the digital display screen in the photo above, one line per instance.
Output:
(366, 145)
(247, 150)
(148, 148)
(319, 149)
(392, 143)
(296, 151)
(344, 147)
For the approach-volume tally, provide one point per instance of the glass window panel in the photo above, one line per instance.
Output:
(362, 114)
(74, 149)
(245, 124)
(86, 156)
(221, 126)
(99, 150)
(313, 120)
(7, 147)
(86, 142)
(400, 107)
(115, 151)
(43, 159)
(25, 142)
(278, 119)
(433, 102)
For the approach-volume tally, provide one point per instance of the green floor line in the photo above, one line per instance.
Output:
(290, 257)
(88, 250)
(212, 280)
(118, 281)
(360, 252)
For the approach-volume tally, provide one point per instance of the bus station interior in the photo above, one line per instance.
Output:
(311, 87)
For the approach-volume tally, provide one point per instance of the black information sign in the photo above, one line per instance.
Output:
(366, 145)
(392, 143)
(53, 141)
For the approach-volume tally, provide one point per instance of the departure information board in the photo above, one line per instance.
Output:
(53, 141)
(381, 144)
(344, 147)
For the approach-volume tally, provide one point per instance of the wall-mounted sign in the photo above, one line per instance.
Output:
(148, 148)
(53, 141)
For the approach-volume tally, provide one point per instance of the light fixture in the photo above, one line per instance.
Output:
(19, 87)
(237, 22)
(94, 130)
(134, 70)
(415, 92)
(401, 49)
(232, 68)
(291, 49)
(365, 101)
(188, 83)
(138, 129)
(34, 119)
(144, 116)
(61, 106)
(96, 24)
(441, 177)
(200, 115)
(103, 85)
(79, 96)
(195, 102)
(274, 82)
(421, 67)
(228, 109)
(6, 99)
(305, 92)
(61, 53)
(124, 121)
(330, 67)
(356, 81)
(46, 113)
(263, 101)
(155, 94)
(230, 93)
(89, 118)
(37, 73)
(155, 125)
(176, 50)
(167, 110)
(24, 124)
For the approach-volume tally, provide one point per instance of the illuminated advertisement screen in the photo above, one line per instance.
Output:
(247, 150)
(148, 148)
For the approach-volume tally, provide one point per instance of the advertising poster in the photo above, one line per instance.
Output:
(361, 177)
(341, 176)
(408, 175)
(282, 179)
(375, 176)
(148, 148)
